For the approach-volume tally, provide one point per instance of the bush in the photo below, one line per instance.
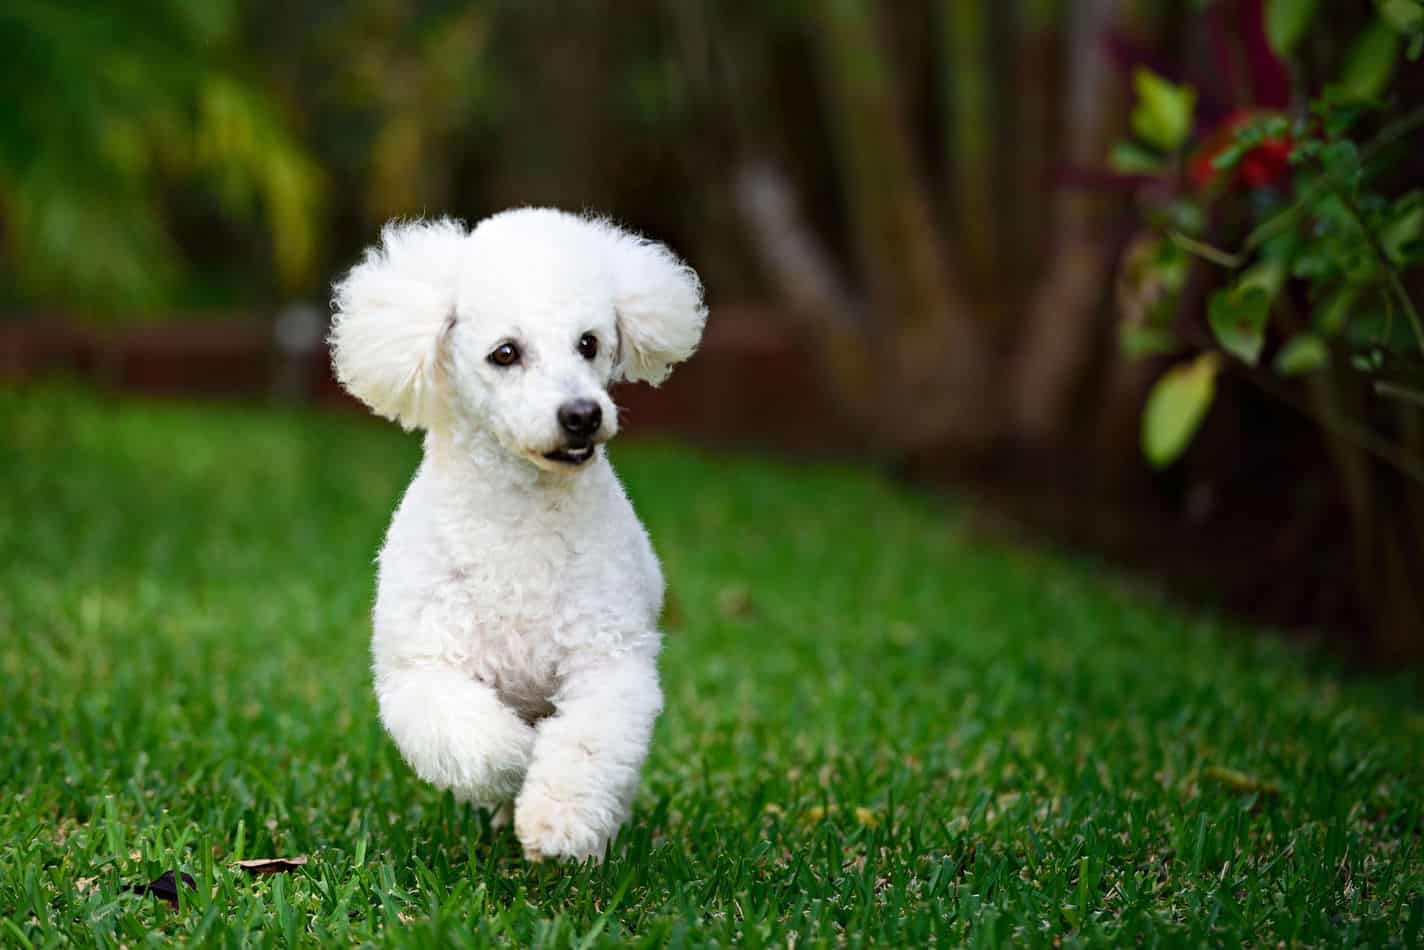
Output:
(1313, 187)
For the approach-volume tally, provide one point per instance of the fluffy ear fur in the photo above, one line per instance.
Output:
(390, 316)
(659, 304)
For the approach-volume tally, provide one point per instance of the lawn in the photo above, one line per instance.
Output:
(880, 729)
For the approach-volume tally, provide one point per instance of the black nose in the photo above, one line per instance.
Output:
(580, 417)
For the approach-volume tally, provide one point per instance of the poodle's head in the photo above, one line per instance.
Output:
(515, 328)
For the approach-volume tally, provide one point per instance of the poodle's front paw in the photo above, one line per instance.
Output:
(556, 828)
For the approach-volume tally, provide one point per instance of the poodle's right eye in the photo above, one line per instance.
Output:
(506, 354)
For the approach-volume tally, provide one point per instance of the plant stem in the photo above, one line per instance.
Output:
(1209, 252)
(1402, 393)
(1348, 429)
(1329, 421)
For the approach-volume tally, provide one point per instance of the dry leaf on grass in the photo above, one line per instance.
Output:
(1240, 781)
(736, 602)
(272, 865)
(164, 887)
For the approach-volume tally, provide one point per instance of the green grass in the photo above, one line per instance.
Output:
(879, 728)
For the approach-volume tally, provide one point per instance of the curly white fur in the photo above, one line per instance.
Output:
(515, 628)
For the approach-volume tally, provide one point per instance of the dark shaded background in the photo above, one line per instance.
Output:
(902, 214)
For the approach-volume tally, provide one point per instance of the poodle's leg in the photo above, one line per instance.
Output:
(455, 733)
(586, 760)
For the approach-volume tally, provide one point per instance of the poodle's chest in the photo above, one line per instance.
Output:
(514, 600)
(513, 651)
(504, 634)
(517, 619)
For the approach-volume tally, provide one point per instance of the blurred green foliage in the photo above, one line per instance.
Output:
(1312, 185)
(166, 155)
(112, 108)
(1313, 203)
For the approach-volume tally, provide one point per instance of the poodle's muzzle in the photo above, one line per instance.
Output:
(581, 421)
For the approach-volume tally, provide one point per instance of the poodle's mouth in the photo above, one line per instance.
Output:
(572, 454)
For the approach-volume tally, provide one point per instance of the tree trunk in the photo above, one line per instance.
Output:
(1065, 319)
(917, 367)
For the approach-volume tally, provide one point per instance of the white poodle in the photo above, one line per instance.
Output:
(515, 645)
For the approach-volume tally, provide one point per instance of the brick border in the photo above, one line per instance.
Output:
(750, 383)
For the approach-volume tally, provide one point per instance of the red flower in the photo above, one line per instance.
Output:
(1266, 164)
(1261, 167)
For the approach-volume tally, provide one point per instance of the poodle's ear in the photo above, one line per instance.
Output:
(391, 314)
(659, 303)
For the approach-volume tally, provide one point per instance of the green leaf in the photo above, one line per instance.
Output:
(1267, 275)
(1229, 157)
(1274, 126)
(1375, 326)
(1368, 362)
(1371, 61)
(1406, 16)
(1176, 407)
(1302, 354)
(1404, 229)
(1286, 24)
(1238, 318)
(1332, 314)
(1339, 110)
(1163, 114)
(1129, 158)
(1341, 161)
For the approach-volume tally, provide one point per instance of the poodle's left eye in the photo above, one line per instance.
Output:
(588, 346)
